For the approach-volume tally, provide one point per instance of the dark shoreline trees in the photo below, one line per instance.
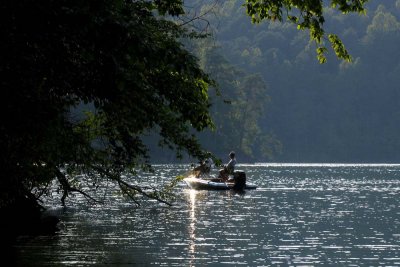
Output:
(119, 58)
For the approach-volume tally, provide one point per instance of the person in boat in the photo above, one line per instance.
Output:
(228, 168)
(204, 167)
(208, 163)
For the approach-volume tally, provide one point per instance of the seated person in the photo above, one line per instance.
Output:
(229, 168)
(204, 167)
(208, 165)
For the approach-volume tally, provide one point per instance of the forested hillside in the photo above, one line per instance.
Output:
(334, 112)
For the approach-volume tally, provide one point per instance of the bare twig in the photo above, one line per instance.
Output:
(201, 17)
(138, 189)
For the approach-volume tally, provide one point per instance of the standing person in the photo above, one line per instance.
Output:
(229, 168)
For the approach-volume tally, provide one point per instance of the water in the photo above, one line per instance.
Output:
(300, 215)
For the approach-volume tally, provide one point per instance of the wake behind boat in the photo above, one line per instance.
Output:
(237, 183)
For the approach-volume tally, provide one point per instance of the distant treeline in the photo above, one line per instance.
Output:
(285, 106)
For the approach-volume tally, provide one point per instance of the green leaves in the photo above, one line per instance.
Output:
(260, 10)
(339, 48)
(321, 54)
(171, 7)
(307, 15)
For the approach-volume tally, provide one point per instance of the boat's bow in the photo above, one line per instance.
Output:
(201, 184)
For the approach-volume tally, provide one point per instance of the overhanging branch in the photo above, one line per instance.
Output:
(138, 189)
(68, 188)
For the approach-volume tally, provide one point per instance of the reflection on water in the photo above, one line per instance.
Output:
(192, 226)
(301, 215)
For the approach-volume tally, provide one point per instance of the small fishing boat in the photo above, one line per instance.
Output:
(239, 183)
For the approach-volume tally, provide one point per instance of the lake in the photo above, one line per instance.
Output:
(300, 215)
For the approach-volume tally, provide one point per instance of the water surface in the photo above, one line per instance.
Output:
(300, 215)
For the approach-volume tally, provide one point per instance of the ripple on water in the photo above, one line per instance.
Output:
(299, 215)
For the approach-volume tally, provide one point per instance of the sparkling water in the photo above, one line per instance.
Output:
(300, 215)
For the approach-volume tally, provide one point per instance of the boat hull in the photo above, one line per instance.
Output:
(204, 184)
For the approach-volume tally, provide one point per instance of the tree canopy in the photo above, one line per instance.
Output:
(83, 81)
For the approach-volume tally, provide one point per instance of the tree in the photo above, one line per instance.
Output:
(238, 111)
(306, 14)
(118, 61)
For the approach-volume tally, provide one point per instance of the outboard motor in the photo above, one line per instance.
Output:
(240, 180)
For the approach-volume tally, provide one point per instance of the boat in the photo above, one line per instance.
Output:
(209, 183)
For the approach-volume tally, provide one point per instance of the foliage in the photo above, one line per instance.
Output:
(118, 60)
(306, 14)
(336, 112)
(238, 112)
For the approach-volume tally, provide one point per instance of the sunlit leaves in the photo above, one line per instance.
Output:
(307, 15)
(321, 54)
(338, 47)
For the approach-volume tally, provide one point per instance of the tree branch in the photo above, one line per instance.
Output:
(68, 188)
(138, 189)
